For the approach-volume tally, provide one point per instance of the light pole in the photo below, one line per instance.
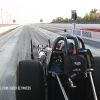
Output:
(7, 17)
(10, 19)
(1, 16)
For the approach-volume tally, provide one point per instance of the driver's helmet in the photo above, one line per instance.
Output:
(58, 46)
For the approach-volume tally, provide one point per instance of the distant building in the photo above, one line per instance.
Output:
(41, 20)
(14, 21)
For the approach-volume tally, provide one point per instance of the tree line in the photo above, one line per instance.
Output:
(93, 15)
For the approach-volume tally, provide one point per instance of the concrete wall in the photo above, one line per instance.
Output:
(89, 37)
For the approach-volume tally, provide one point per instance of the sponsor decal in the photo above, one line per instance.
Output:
(77, 63)
(77, 69)
(77, 32)
(86, 34)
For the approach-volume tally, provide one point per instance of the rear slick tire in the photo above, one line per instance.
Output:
(30, 74)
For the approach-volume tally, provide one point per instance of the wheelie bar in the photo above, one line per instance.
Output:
(62, 88)
(93, 87)
(91, 78)
(92, 83)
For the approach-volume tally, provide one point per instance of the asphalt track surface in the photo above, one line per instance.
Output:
(69, 25)
(14, 47)
(59, 29)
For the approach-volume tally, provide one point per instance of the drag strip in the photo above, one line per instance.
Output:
(15, 46)
(49, 34)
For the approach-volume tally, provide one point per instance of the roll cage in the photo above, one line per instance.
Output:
(86, 53)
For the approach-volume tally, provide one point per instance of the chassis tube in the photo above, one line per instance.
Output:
(62, 88)
(32, 50)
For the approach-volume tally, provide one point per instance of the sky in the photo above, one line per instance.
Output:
(31, 11)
